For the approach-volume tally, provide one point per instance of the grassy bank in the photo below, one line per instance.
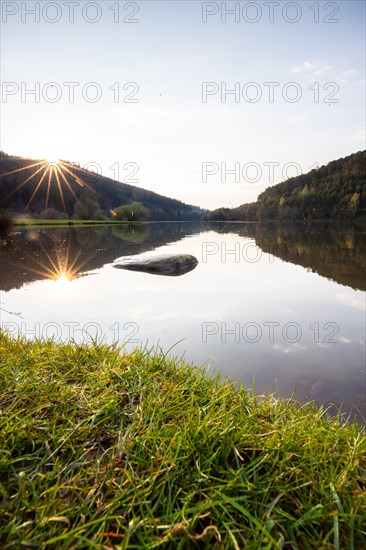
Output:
(102, 450)
(34, 223)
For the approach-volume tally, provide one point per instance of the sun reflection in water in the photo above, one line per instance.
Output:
(58, 264)
(62, 281)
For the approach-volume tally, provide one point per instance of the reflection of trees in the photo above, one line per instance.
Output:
(48, 255)
(131, 233)
(37, 254)
(334, 252)
(87, 236)
(338, 253)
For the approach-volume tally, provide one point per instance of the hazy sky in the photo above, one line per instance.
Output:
(148, 90)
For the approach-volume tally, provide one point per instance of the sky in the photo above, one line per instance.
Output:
(206, 102)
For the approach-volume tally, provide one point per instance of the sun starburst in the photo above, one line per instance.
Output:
(59, 263)
(49, 173)
(53, 162)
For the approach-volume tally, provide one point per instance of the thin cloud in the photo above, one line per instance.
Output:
(353, 300)
(348, 74)
(310, 68)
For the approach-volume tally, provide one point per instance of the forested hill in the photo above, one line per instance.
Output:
(65, 189)
(334, 191)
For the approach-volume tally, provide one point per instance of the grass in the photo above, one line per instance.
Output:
(101, 449)
(30, 222)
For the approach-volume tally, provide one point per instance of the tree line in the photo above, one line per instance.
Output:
(333, 191)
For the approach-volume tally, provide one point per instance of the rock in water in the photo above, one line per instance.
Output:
(165, 264)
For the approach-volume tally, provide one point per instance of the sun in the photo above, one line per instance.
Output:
(62, 281)
(53, 162)
(51, 172)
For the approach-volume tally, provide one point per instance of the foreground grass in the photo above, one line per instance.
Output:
(103, 450)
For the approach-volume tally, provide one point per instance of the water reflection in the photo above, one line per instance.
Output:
(281, 304)
(335, 252)
(131, 233)
(36, 254)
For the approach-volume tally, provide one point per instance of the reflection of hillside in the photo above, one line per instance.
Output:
(35, 254)
(334, 252)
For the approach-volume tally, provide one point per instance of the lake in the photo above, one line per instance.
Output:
(280, 307)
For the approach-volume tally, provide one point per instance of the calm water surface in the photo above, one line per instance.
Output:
(283, 305)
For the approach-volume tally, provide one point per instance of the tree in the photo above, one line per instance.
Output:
(88, 209)
(134, 211)
(304, 191)
(354, 201)
(50, 214)
(6, 223)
